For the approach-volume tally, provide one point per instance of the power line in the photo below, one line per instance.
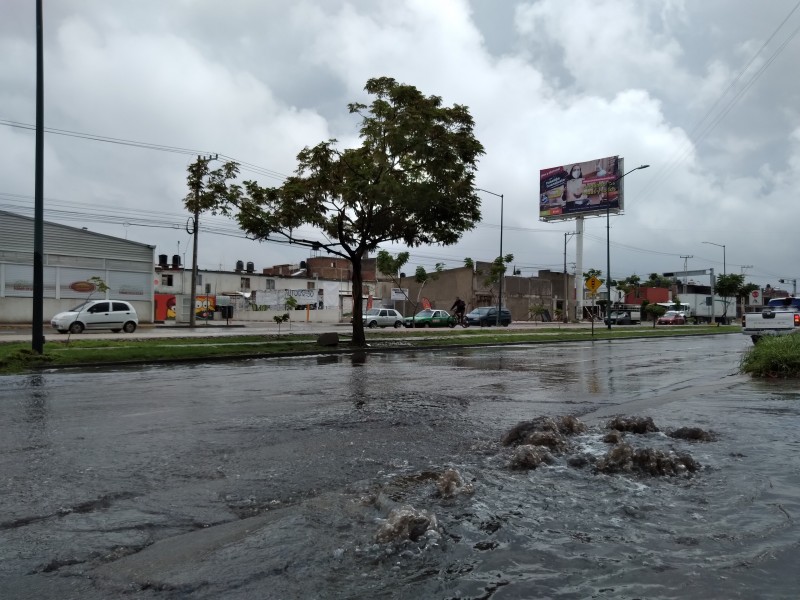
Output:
(702, 128)
(244, 166)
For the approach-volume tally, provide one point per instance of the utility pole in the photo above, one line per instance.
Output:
(685, 267)
(196, 227)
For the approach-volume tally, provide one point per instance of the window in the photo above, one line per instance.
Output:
(310, 285)
(100, 307)
(270, 284)
(166, 280)
(120, 306)
(245, 283)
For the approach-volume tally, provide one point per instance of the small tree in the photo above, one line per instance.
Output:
(281, 319)
(538, 310)
(497, 271)
(99, 286)
(655, 311)
(728, 286)
(391, 266)
(291, 305)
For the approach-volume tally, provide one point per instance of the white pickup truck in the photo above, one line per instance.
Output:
(781, 316)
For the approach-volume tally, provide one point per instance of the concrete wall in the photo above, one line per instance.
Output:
(519, 293)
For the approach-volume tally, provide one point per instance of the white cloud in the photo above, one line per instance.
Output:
(547, 82)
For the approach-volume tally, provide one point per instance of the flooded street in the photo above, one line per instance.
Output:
(383, 475)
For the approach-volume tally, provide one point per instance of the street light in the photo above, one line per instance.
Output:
(502, 273)
(723, 254)
(608, 237)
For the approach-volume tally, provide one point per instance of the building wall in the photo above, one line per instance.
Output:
(519, 293)
(71, 257)
(255, 296)
(651, 294)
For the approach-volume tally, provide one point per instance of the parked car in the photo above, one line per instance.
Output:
(624, 317)
(485, 316)
(116, 315)
(431, 318)
(671, 317)
(382, 317)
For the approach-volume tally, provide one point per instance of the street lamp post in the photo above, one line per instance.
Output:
(502, 268)
(608, 238)
(714, 283)
(723, 254)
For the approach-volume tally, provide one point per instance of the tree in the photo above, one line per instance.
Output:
(538, 311)
(497, 270)
(629, 284)
(290, 304)
(98, 285)
(411, 181)
(594, 273)
(208, 191)
(655, 311)
(726, 286)
(281, 319)
(391, 266)
(656, 280)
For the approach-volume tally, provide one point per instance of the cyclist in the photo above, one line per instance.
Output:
(459, 306)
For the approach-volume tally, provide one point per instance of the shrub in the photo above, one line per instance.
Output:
(773, 356)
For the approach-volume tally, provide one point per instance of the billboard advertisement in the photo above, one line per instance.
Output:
(581, 189)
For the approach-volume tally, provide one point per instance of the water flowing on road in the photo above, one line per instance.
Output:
(385, 475)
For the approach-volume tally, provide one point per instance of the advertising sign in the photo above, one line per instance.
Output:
(399, 294)
(581, 189)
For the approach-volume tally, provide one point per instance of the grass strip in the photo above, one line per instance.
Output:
(17, 357)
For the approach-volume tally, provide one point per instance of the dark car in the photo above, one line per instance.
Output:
(485, 316)
(623, 317)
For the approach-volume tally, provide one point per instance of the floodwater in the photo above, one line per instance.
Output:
(290, 478)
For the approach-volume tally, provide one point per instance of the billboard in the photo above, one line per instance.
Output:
(581, 189)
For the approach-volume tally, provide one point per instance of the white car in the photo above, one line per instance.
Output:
(382, 317)
(115, 315)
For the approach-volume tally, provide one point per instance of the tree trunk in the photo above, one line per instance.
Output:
(359, 339)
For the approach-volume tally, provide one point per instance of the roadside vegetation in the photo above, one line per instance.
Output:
(773, 356)
(17, 357)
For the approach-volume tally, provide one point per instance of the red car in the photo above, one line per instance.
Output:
(671, 317)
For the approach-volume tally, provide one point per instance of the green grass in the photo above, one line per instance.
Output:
(773, 356)
(17, 357)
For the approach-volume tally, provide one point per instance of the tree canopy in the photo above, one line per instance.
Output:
(410, 181)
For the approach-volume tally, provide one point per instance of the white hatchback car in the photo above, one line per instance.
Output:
(115, 315)
(382, 317)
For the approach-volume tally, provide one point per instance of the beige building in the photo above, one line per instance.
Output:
(519, 293)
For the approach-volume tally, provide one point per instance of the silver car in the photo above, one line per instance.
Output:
(116, 315)
(382, 317)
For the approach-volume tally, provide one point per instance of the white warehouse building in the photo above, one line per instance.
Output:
(72, 256)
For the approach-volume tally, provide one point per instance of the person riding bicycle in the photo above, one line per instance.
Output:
(459, 306)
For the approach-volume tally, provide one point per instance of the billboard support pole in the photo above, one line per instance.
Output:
(579, 269)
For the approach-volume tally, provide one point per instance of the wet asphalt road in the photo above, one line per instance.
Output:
(246, 479)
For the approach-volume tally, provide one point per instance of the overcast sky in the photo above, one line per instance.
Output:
(706, 92)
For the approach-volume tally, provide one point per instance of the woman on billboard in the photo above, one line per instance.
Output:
(575, 190)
